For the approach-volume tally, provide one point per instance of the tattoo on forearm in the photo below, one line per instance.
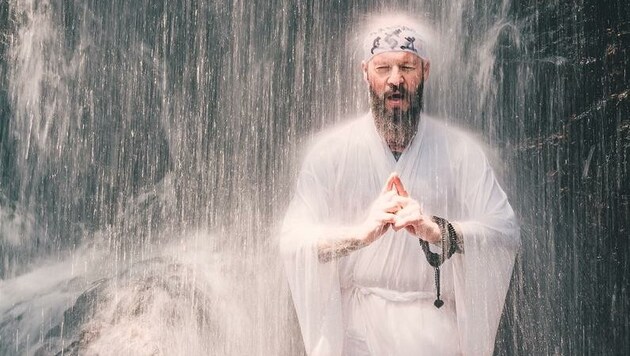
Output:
(330, 250)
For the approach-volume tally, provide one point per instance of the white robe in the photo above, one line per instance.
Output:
(378, 300)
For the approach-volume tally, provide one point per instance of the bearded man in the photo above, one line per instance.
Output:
(399, 240)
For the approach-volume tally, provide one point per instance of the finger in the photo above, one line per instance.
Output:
(391, 194)
(394, 203)
(387, 197)
(408, 207)
(391, 208)
(388, 219)
(404, 202)
(409, 228)
(400, 188)
(402, 221)
(390, 182)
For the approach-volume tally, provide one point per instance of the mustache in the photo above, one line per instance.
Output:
(396, 91)
(378, 100)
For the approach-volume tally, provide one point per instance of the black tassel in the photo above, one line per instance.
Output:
(438, 302)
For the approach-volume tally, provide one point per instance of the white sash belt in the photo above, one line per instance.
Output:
(394, 295)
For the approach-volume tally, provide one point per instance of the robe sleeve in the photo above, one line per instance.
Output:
(314, 285)
(491, 240)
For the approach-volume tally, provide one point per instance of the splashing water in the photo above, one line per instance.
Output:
(148, 151)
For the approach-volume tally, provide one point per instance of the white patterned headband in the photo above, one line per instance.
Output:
(394, 39)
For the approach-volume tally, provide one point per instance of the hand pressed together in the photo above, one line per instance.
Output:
(394, 208)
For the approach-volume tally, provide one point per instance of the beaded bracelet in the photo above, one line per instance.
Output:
(449, 246)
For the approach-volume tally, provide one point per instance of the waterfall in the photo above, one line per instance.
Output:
(149, 149)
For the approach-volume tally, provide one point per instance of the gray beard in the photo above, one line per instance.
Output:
(397, 127)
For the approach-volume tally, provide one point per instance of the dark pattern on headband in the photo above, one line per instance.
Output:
(399, 38)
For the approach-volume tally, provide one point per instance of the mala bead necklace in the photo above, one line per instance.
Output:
(449, 246)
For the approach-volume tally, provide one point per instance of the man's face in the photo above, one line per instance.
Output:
(396, 81)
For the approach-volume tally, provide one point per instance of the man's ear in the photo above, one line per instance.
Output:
(425, 70)
(364, 68)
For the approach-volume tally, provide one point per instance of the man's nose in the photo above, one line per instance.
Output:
(395, 78)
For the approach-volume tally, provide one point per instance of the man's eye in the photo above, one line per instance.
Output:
(382, 69)
(408, 68)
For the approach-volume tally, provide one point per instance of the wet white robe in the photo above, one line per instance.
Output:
(378, 300)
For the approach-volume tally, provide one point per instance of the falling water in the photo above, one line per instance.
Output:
(148, 151)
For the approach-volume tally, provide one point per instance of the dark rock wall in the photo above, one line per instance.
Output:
(570, 289)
